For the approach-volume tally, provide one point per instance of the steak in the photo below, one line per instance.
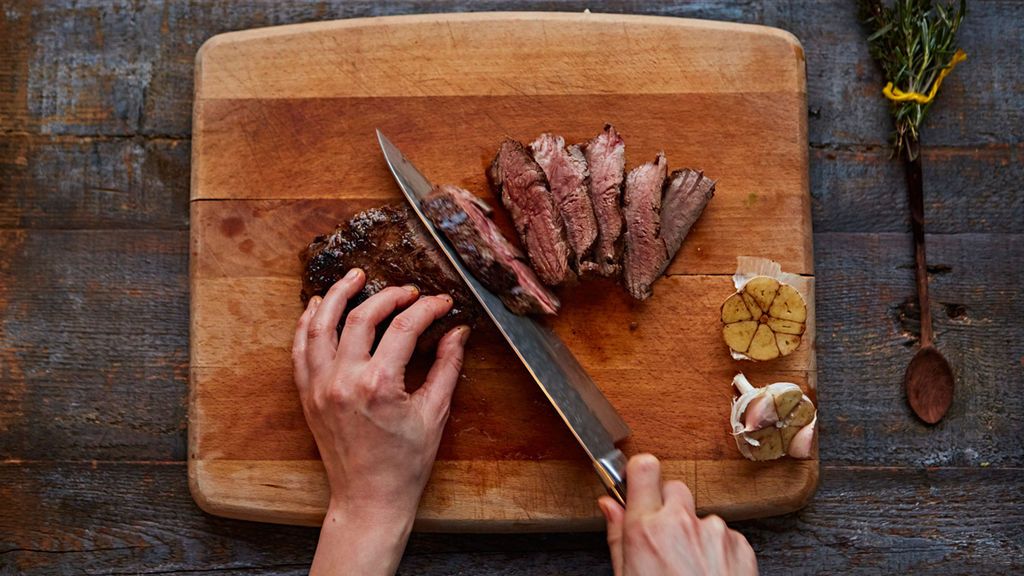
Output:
(392, 247)
(463, 219)
(686, 194)
(524, 191)
(645, 256)
(606, 158)
(567, 174)
(659, 215)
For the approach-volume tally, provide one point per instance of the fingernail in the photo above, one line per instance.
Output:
(315, 301)
(464, 333)
(353, 274)
(412, 288)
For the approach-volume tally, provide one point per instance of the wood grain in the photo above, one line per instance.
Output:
(290, 112)
(104, 183)
(73, 74)
(93, 344)
(530, 53)
(130, 71)
(70, 518)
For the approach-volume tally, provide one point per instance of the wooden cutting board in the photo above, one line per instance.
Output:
(284, 149)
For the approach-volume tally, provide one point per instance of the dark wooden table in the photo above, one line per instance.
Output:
(95, 112)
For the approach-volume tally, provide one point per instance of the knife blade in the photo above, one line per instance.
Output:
(593, 421)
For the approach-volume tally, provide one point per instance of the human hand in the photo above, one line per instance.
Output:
(377, 441)
(659, 534)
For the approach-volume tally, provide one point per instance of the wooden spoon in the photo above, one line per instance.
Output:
(928, 380)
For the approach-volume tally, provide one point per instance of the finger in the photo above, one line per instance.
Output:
(715, 542)
(743, 561)
(299, 364)
(323, 328)
(361, 324)
(677, 495)
(399, 341)
(437, 389)
(614, 516)
(643, 485)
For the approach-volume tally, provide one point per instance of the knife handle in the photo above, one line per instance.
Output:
(612, 469)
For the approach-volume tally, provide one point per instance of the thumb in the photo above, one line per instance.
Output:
(436, 392)
(615, 516)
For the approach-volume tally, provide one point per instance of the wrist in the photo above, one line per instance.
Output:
(362, 539)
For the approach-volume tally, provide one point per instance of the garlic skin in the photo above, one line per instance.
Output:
(773, 421)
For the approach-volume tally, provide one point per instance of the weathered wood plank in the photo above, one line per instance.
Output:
(93, 344)
(127, 68)
(966, 190)
(63, 518)
(65, 182)
(867, 336)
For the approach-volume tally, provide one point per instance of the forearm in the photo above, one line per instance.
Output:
(361, 543)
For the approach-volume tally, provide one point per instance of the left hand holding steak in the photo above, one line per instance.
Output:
(377, 441)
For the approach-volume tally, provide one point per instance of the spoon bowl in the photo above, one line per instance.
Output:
(929, 384)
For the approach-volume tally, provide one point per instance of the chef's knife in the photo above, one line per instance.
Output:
(591, 418)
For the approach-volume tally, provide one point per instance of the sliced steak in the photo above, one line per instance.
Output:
(606, 159)
(567, 174)
(462, 218)
(686, 194)
(524, 191)
(391, 246)
(645, 256)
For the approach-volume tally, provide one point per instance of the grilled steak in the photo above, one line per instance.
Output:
(645, 256)
(391, 246)
(462, 218)
(606, 158)
(524, 191)
(686, 194)
(567, 174)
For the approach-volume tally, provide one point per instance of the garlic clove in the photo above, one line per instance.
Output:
(789, 305)
(763, 346)
(780, 326)
(763, 289)
(787, 343)
(738, 335)
(734, 310)
(760, 413)
(752, 307)
(802, 442)
(764, 444)
(786, 400)
(802, 415)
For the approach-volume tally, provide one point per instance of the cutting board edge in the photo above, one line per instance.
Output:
(262, 33)
(214, 491)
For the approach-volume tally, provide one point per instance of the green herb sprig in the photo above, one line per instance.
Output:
(913, 41)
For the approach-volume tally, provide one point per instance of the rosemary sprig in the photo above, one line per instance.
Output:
(913, 41)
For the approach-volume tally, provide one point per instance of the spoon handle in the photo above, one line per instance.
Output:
(915, 190)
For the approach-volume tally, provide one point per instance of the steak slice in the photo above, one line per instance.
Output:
(606, 158)
(567, 174)
(391, 246)
(462, 218)
(524, 191)
(645, 256)
(686, 194)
